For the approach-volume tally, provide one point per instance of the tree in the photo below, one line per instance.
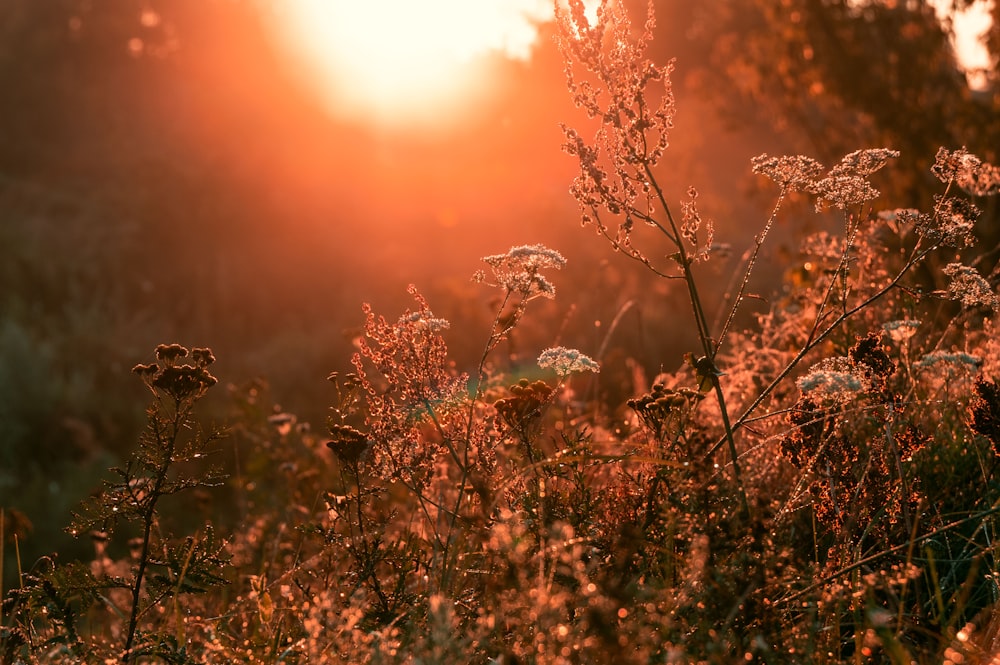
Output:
(838, 74)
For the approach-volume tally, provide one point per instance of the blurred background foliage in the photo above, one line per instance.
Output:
(162, 179)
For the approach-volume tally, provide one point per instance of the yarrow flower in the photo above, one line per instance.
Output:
(519, 270)
(846, 184)
(902, 330)
(565, 361)
(968, 171)
(833, 379)
(425, 321)
(969, 287)
(791, 171)
(958, 359)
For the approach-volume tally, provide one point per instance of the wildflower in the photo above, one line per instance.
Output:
(178, 381)
(901, 330)
(968, 171)
(183, 381)
(203, 357)
(633, 98)
(791, 171)
(843, 191)
(691, 224)
(846, 184)
(425, 321)
(983, 181)
(663, 407)
(518, 271)
(168, 353)
(898, 214)
(957, 359)
(869, 355)
(348, 444)
(525, 404)
(144, 370)
(969, 287)
(833, 379)
(863, 162)
(566, 361)
(950, 225)
(955, 218)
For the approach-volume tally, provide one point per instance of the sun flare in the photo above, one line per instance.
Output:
(400, 60)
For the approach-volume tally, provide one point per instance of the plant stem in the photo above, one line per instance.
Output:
(169, 441)
(709, 348)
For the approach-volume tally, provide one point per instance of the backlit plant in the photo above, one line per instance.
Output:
(814, 481)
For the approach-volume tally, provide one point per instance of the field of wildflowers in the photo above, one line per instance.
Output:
(817, 485)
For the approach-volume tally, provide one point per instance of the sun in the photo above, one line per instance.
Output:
(403, 61)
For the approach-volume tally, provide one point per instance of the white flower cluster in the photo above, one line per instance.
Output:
(565, 361)
(519, 270)
(425, 321)
(833, 379)
(901, 330)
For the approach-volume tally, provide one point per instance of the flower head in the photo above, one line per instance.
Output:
(835, 380)
(847, 183)
(955, 359)
(519, 270)
(791, 171)
(179, 381)
(566, 361)
(969, 287)
(902, 330)
(970, 173)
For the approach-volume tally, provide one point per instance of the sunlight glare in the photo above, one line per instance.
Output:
(970, 24)
(402, 60)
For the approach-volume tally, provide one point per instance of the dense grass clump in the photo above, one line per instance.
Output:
(817, 486)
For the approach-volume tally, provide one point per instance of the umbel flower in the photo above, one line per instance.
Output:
(968, 171)
(845, 184)
(565, 361)
(792, 171)
(179, 381)
(969, 287)
(519, 270)
(834, 380)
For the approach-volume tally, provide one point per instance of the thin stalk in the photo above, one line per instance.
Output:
(704, 335)
(758, 243)
(992, 510)
(149, 516)
(496, 334)
(812, 342)
(841, 271)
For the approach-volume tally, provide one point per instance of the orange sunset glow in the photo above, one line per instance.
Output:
(405, 62)
(499, 331)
